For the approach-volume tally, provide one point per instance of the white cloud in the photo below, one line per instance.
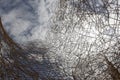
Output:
(28, 20)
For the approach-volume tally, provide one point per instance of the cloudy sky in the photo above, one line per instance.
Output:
(26, 19)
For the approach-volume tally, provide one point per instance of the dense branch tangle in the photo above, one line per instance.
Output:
(85, 28)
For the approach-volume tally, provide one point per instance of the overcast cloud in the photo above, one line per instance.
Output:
(26, 20)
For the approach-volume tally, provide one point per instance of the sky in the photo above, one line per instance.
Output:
(26, 20)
